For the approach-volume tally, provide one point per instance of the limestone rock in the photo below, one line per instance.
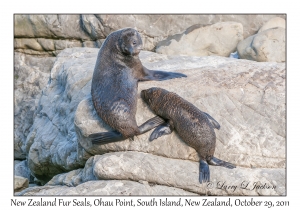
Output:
(266, 46)
(106, 187)
(31, 75)
(20, 183)
(52, 142)
(247, 99)
(162, 172)
(273, 23)
(217, 39)
(184, 174)
(21, 169)
(34, 32)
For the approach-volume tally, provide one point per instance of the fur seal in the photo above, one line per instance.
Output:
(194, 127)
(115, 80)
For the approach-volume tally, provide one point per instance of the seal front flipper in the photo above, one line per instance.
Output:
(106, 137)
(217, 162)
(150, 124)
(114, 136)
(204, 175)
(163, 129)
(159, 75)
(212, 121)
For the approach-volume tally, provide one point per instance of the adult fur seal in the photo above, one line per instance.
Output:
(115, 80)
(193, 126)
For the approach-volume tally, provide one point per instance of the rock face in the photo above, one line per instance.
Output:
(266, 46)
(273, 23)
(106, 187)
(156, 175)
(21, 169)
(49, 34)
(184, 174)
(217, 39)
(20, 183)
(52, 142)
(247, 99)
(31, 74)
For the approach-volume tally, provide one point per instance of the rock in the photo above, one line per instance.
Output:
(106, 187)
(165, 172)
(273, 23)
(20, 183)
(54, 32)
(247, 99)
(42, 46)
(52, 141)
(184, 174)
(31, 74)
(217, 39)
(266, 46)
(21, 169)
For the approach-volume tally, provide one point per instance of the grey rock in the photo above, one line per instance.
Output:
(266, 46)
(160, 171)
(52, 142)
(217, 39)
(21, 169)
(273, 23)
(56, 31)
(247, 99)
(106, 187)
(31, 74)
(20, 183)
(184, 174)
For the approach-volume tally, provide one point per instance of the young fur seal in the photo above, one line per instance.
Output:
(193, 126)
(115, 80)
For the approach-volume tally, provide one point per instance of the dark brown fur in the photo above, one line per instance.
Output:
(115, 80)
(193, 126)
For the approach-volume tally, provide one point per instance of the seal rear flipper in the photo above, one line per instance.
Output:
(161, 130)
(106, 137)
(150, 124)
(212, 121)
(217, 162)
(204, 175)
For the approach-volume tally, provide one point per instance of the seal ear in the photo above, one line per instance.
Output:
(212, 121)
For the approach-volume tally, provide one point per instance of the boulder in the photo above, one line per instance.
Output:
(273, 23)
(21, 169)
(20, 183)
(247, 99)
(217, 39)
(167, 173)
(184, 174)
(48, 34)
(52, 141)
(266, 46)
(106, 187)
(31, 75)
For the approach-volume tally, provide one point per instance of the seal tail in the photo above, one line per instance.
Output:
(114, 136)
